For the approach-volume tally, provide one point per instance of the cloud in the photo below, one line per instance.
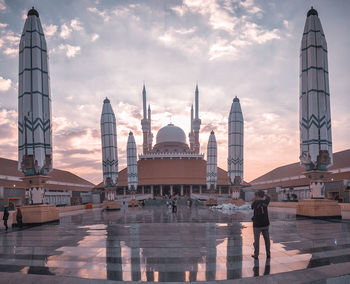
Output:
(180, 10)
(49, 30)
(94, 37)
(250, 6)
(255, 34)
(78, 150)
(121, 11)
(183, 39)
(65, 31)
(76, 25)
(9, 42)
(5, 84)
(11, 51)
(222, 48)
(71, 50)
(24, 14)
(2, 5)
(3, 25)
(8, 133)
(241, 30)
(103, 14)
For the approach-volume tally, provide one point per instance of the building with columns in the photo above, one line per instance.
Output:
(172, 166)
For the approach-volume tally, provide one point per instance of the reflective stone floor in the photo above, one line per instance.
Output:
(152, 244)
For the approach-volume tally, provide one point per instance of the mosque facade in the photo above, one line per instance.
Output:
(172, 166)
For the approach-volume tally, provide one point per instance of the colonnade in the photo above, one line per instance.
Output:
(172, 189)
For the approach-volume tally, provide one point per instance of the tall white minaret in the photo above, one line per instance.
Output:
(191, 135)
(109, 145)
(132, 163)
(34, 100)
(34, 104)
(150, 134)
(145, 123)
(212, 168)
(235, 143)
(196, 123)
(314, 103)
(34, 107)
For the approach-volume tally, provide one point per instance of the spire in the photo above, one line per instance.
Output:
(149, 118)
(33, 12)
(196, 101)
(192, 118)
(312, 11)
(144, 102)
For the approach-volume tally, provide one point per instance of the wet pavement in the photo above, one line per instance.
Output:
(154, 245)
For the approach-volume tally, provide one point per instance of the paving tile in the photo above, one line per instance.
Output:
(192, 245)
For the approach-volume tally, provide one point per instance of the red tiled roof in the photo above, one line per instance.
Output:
(281, 175)
(9, 168)
(171, 171)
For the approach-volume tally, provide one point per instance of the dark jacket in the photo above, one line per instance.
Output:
(261, 215)
(6, 215)
(19, 216)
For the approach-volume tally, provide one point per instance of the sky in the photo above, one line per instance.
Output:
(106, 48)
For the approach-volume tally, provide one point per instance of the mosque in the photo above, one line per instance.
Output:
(171, 166)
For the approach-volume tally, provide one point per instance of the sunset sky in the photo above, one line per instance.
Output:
(248, 49)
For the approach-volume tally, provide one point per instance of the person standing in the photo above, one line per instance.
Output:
(261, 222)
(175, 205)
(5, 218)
(19, 218)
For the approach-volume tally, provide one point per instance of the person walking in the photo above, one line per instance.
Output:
(261, 222)
(19, 218)
(5, 218)
(175, 205)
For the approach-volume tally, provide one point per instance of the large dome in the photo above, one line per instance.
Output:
(171, 133)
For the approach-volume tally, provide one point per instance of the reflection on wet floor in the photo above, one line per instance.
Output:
(152, 244)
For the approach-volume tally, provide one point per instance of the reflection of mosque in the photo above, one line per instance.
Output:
(206, 251)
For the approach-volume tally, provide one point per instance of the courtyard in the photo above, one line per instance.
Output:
(196, 244)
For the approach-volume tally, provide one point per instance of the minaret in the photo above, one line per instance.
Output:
(150, 135)
(191, 135)
(314, 104)
(212, 169)
(34, 105)
(235, 143)
(109, 145)
(196, 123)
(132, 163)
(145, 123)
